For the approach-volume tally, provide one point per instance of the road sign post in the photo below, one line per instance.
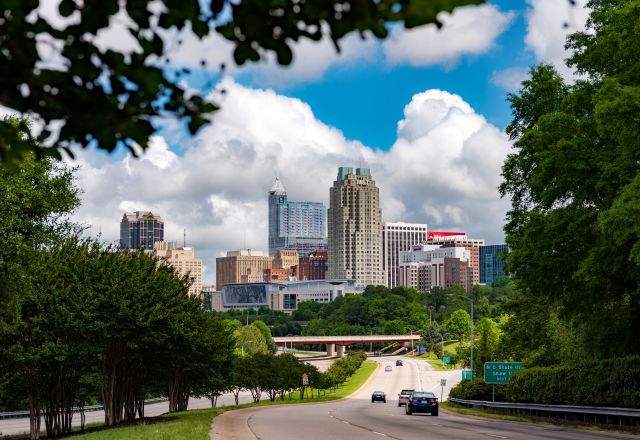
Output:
(499, 373)
(443, 383)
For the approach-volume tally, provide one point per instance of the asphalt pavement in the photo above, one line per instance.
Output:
(356, 418)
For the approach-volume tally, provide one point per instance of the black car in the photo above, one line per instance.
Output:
(379, 396)
(422, 401)
(399, 363)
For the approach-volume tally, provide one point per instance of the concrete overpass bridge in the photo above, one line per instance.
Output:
(337, 344)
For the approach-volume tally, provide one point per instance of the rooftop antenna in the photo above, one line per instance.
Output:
(184, 238)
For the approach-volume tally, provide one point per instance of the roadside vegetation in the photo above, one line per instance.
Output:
(196, 424)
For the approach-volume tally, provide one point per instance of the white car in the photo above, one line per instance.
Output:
(387, 368)
(404, 396)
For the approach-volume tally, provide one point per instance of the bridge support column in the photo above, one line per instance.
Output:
(331, 349)
(340, 351)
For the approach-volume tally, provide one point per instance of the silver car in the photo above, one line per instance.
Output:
(404, 396)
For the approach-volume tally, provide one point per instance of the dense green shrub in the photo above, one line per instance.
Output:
(476, 389)
(612, 382)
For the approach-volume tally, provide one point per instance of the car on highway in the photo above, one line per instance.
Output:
(377, 353)
(403, 397)
(399, 363)
(378, 396)
(422, 401)
(388, 368)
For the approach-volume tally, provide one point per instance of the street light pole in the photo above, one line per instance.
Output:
(411, 334)
(471, 328)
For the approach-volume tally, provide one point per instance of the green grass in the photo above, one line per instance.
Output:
(193, 425)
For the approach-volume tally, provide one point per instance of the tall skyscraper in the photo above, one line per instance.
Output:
(397, 237)
(492, 262)
(300, 226)
(355, 228)
(140, 229)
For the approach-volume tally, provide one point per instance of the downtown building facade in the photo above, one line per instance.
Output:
(284, 296)
(299, 226)
(398, 237)
(184, 261)
(140, 229)
(355, 228)
(426, 266)
(456, 239)
(492, 262)
(243, 266)
(312, 267)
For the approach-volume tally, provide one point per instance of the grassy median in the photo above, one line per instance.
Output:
(194, 425)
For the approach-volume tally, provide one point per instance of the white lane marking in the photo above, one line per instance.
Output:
(379, 433)
(496, 435)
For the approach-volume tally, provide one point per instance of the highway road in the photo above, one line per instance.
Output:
(357, 418)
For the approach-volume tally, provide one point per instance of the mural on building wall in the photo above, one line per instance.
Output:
(242, 295)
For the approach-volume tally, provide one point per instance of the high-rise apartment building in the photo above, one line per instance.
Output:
(300, 226)
(140, 229)
(397, 237)
(426, 266)
(243, 266)
(355, 228)
(184, 261)
(492, 262)
(455, 239)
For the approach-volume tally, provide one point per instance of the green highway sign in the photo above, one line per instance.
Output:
(500, 372)
(446, 360)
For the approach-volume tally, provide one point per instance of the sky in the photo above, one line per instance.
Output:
(425, 110)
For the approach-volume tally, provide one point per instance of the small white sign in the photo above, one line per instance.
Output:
(443, 382)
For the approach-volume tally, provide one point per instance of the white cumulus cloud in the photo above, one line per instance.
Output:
(469, 30)
(548, 24)
(443, 169)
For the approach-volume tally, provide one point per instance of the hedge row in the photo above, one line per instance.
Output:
(613, 382)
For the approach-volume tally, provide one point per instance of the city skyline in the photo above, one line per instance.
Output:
(212, 275)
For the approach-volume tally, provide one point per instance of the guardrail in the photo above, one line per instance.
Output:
(88, 408)
(596, 414)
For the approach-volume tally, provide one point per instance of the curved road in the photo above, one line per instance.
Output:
(357, 418)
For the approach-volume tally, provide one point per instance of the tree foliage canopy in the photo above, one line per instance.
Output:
(574, 185)
(106, 98)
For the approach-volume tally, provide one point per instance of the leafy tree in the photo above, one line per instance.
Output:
(487, 344)
(130, 90)
(250, 341)
(260, 325)
(394, 327)
(459, 323)
(307, 311)
(573, 183)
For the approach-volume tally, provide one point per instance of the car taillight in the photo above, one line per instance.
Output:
(414, 400)
(433, 400)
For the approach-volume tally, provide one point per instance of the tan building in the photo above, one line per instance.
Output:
(285, 259)
(355, 228)
(243, 266)
(398, 237)
(472, 245)
(184, 261)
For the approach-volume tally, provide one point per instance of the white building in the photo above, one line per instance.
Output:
(284, 296)
(397, 237)
(426, 266)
